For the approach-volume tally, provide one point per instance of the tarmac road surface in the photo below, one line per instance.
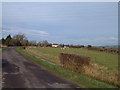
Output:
(19, 72)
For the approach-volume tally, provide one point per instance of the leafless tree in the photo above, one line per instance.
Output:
(21, 38)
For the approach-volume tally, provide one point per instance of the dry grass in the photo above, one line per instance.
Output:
(82, 64)
(45, 56)
(102, 73)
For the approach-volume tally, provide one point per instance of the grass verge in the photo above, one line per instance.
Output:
(73, 76)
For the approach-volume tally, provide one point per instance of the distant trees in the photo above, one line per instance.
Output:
(89, 46)
(62, 45)
(32, 43)
(21, 40)
(43, 43)
(17, 40)
(3, 41)
(8, 39)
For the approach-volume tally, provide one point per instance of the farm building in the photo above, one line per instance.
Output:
(66, 46)
(55, 45)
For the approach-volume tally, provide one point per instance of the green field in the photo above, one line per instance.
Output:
(104, 59)
(82, 80)
(104, 65)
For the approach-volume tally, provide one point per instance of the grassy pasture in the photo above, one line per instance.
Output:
(104, 65)
(104, 59)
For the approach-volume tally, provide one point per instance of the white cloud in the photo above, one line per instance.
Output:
(27, 32)
(99, 41)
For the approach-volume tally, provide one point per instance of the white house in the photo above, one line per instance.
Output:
(55, 45)
(66, 47)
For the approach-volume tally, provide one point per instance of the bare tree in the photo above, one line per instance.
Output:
(32, 43)
(21, 38)
(45, 43)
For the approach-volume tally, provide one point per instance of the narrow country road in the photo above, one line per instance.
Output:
(19, 72)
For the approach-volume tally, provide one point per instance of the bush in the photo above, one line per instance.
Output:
(23, 47)
(74, 62)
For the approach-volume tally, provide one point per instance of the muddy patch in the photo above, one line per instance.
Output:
(13, 81)
(8, 67)
(11, 76)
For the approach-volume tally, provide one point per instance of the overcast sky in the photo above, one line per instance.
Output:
(63, 22)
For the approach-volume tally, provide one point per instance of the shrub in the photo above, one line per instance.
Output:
(23, 47)
(74, 62)
(89, 46)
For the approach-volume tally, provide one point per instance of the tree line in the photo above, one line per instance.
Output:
(21, 40)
